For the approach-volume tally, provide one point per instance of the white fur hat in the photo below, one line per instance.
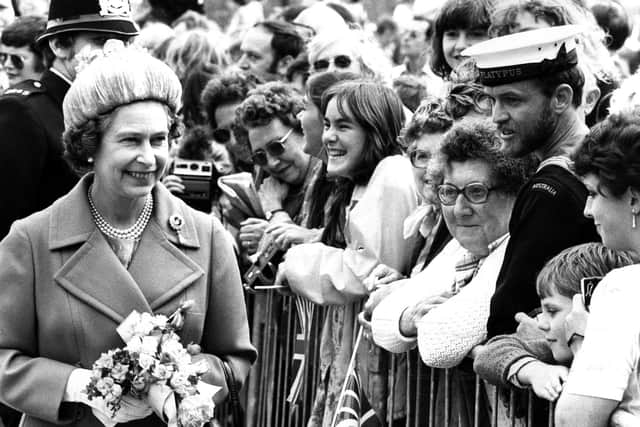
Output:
(121, 76)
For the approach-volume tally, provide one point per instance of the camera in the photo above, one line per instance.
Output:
(262, 273)
(196, 177)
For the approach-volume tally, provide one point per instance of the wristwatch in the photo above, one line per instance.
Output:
(270, 214)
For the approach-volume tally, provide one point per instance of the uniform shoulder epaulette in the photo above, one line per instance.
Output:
(25, 88)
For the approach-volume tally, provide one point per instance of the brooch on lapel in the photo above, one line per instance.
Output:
(176, 222)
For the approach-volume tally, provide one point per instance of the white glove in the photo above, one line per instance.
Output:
(130, 409)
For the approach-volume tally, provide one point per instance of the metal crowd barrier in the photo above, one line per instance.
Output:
(432, 395)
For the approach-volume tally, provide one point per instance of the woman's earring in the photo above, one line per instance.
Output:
(634, 213)
(90, 160)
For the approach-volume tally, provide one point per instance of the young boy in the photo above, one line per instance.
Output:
(540, 358)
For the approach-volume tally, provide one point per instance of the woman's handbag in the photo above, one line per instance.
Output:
(237, 412)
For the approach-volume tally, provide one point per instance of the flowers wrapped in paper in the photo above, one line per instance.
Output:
(154, 365)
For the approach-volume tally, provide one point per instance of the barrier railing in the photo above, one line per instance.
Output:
(434, 397)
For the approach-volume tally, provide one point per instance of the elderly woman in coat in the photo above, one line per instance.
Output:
(117, 242)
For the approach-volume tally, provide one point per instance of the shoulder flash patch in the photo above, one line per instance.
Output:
(25, 88)
(541, 186)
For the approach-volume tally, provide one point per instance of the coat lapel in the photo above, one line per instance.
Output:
(94, 275)
(159, 271)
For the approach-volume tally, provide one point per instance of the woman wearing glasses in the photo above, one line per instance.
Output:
(270, 116)
(22, 59)
(348, 50)
(445, 307)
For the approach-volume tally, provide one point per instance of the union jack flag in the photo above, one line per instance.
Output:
(353, 409)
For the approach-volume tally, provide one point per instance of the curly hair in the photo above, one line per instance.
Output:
(269, 101)
(471, 15)
(611, 151)
(562, 273)
(411, 90)
(463, 98)
(320, 82)
(194, 49)
(472, 139)
(430, 117)
(195, 144)
(228, 88)
(504, 17)
(82, 143)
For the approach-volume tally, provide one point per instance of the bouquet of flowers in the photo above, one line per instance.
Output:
(154, 365)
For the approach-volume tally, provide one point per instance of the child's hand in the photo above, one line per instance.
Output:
(527, 326)
(546, 380)
(576, 323)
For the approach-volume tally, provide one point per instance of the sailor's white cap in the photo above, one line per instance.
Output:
(526, 55)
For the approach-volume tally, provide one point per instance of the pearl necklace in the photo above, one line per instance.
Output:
(131, 233)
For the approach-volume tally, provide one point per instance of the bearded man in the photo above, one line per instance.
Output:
(535, 87)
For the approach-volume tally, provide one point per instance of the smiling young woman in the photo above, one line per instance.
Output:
(374, 194)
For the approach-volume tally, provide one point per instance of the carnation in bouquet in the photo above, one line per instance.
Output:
(154, 365)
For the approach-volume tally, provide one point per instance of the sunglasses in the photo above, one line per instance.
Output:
(475, 192)
(221, 135)
(419, 158)
(340, 61)
(274, 148)
(16, 60)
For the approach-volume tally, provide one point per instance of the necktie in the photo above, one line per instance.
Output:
(466, 268)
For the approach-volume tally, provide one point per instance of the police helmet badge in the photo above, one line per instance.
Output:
(115, 8)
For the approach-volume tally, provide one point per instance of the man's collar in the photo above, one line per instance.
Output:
(62, 76)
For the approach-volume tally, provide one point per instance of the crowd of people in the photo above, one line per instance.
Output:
(463, 179)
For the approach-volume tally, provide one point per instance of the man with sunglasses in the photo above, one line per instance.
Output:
(268, 48)
(20, 56)
(534, 85)
(31, 122)
(275, 135)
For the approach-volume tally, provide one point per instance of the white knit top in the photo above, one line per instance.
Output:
(449, 331)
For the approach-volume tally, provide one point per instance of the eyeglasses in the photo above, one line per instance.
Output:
(475, 192)
(274, 148)
(419, 158)
(221, 135)
(340, 61)
(16, 60)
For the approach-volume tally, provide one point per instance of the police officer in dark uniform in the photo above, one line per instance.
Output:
(535, 84)
(32, 168)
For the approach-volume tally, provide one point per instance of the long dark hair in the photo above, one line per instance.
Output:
(378, 110)
(322, 187)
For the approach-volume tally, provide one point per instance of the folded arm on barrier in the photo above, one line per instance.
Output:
(448, 332)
